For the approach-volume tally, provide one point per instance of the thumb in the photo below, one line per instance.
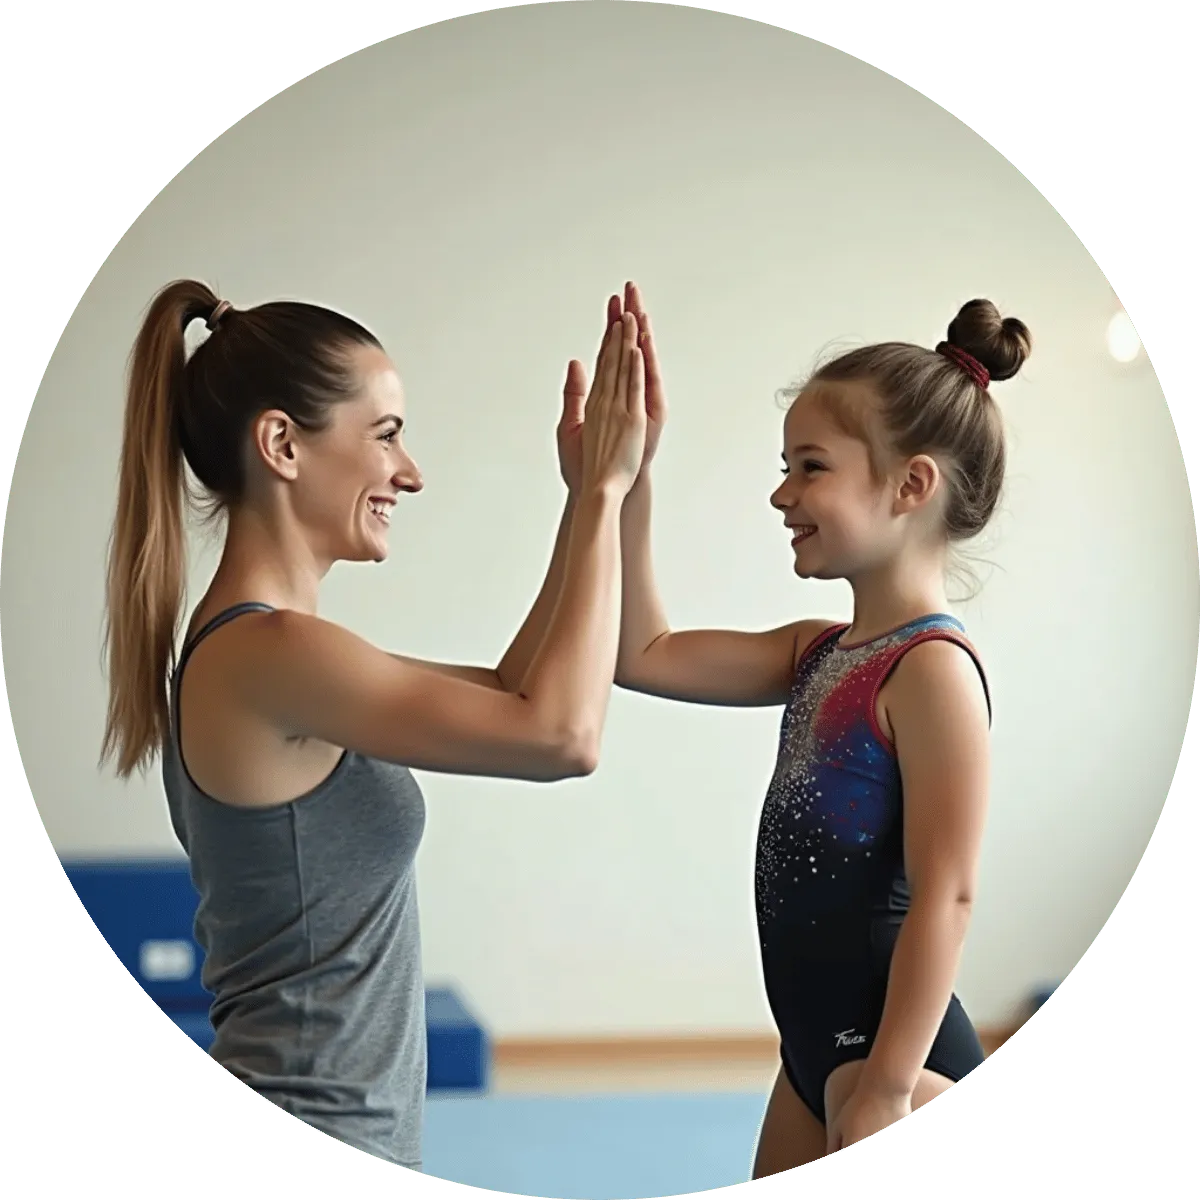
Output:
(574, 393)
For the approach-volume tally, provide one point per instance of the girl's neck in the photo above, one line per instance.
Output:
(893, 596)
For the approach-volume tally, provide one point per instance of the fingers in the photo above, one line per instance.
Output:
(623, 335)
(635, 305)
(614, 311)
(633, 299)
(574, 392)
(606, 366)
(610, 358)
(628, 350)
(612, 317)
(650, 353)
(635, 388)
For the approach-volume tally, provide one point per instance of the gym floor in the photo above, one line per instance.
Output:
(618, 1125)
(604, 1128)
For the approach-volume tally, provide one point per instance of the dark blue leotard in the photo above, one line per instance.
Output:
(831, 891)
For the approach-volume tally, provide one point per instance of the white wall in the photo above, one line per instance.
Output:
(473, 191)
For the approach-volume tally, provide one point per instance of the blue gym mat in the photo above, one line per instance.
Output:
(626, 1147)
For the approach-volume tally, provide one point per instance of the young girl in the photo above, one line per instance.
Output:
(869, 838)
(286, 741)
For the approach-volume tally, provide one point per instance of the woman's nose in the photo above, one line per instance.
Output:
(408, 477)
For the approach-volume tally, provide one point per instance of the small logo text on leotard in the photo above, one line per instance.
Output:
(849, 1038)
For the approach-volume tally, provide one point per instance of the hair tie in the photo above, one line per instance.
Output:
(969, 363)
(223, 306)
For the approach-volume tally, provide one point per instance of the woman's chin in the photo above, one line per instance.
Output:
(373, 547)
(366, 550)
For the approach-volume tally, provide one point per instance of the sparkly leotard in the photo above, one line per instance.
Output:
(831, 890)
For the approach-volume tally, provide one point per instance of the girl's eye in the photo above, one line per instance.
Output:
(814, 466)
(390, 436)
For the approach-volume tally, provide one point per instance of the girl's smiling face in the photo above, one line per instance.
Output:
(837, 510)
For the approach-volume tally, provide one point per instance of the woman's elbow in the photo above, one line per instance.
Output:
(580, 757)
(565, 754)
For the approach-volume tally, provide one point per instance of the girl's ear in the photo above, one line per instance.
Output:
(919, 482)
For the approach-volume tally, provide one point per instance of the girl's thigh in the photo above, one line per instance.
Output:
(790, 1135)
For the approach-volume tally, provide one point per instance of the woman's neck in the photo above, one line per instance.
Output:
(266, 561)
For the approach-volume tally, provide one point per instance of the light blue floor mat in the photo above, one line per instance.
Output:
(627, 1147)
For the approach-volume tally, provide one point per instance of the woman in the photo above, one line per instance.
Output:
(869, 839)
(287, 741)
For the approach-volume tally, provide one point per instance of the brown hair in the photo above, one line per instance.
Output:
(196, 412)
(929, 404)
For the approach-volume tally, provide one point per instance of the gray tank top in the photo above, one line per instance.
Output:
(308, 922)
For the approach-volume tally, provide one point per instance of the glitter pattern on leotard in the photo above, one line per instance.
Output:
(831, 832)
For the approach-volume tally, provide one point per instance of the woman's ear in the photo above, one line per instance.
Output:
(274, 443)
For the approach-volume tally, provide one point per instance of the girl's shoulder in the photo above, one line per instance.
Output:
(936, 668)
(811, 635)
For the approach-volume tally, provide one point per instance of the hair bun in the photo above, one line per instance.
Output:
(1001, 345)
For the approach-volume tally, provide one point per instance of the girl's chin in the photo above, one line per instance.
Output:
(811, 571)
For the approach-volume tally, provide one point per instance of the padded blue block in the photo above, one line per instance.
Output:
(459, 1049)
(458, 1046)
(144, 910)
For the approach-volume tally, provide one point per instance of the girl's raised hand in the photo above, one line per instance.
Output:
(656, 397)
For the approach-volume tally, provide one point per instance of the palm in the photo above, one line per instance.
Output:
(570, 426)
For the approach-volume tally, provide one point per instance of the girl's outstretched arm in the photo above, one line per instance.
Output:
(704, 666)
